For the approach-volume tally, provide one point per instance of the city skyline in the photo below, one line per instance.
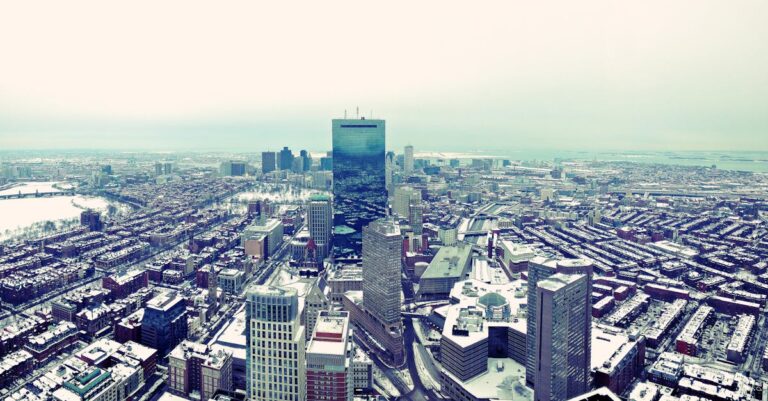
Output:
(355, 201)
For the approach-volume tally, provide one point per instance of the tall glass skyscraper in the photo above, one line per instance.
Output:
(359, 177)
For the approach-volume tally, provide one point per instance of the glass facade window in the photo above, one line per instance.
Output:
(359, 179)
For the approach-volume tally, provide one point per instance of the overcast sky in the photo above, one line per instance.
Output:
(586, 75)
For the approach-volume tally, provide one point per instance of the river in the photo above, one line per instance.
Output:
(22, 217)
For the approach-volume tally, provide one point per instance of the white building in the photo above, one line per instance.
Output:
(275, 345)
(320, 222)
(408, 160)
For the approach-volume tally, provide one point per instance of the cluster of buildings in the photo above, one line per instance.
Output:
(468, 279)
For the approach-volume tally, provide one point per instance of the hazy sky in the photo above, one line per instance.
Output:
(587, 75)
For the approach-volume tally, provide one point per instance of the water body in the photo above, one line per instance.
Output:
(279, 193)
(32, 187)
(740, 161)
(20, 216)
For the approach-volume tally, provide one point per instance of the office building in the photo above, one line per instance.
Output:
(416, 218)
(404, 198)
(563, 329)
(326, 162)
(268, 161)
(262, 238)
(382, 266)
(233, 168)
(447, 235)
(306, 160)
(286, 159)
(376, 309)
(329, 354)
(275, 345)
(483, 339)
(298, 165)
(320, 222)
(359, 182)
(230, 281)
(198, 368)
(408, 160)
(164, 324)
(540, 268)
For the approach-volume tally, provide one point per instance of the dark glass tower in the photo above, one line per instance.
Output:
(359, 177)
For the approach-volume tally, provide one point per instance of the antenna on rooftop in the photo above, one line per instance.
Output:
(345, 114)
(357, 112)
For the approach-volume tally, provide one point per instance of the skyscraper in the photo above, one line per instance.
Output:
(359, 179)
(404, 196)
(328, 359)
(564, 324)
(275, 345)
(382, 253)
(408, 160)
(306, 160)
(416, 218)
(286, 159)
(540, 268)
(320, 222)
(267, 162)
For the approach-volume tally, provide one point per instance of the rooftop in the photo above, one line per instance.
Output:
(450, 261)
(504, 379)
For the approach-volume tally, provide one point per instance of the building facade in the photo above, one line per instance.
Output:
(382, 266)
(564, 324)
(328, 359)
(359, 179)
(540, 268)
(275, 345)
(267, 162)
(320, 222)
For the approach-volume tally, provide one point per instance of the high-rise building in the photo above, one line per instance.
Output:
(298, 165)
(541, 268)
(359, 179)
(389, 169)
(275, 345)
(564, 324)
(320, 222)
(408, 160)
(416, 218)
(382, 267)
(329, 376)
(267, 162)
(326, 163)
(164, 324)
(306, 160)
(233, 168)
(286, 159)
(404, 197)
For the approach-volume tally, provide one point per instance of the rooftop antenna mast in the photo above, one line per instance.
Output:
(357, 112)
(345, 114)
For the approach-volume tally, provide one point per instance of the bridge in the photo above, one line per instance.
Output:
(68, 192)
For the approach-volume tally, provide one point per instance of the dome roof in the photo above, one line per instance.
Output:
(492, 299)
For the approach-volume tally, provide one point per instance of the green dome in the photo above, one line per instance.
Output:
(493, 299)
